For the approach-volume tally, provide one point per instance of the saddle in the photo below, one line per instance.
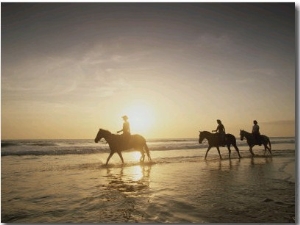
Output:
(126, 140)
(222, 142)
(257, 139)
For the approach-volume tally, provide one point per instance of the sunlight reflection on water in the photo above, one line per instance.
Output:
(135, 172)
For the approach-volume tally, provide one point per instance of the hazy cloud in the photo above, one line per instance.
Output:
(262, 72)
(279, 122)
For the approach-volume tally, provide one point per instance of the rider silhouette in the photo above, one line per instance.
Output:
(221, 131)
(256, 133)
(126, 131)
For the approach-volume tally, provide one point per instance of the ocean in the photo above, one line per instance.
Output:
(88, 146)
(61, 181)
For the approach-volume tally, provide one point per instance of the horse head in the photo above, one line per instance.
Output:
(101, 134)
(242, 134)
(201, 137)
(98, 136)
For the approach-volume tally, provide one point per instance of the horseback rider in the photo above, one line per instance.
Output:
(256, 133)
(221, 131)
(126, 130)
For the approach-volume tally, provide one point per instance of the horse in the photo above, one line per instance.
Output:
(214, 141)
(117, 145)
(251, 141)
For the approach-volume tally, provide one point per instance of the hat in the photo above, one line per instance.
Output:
(218, 120)
(125, 117)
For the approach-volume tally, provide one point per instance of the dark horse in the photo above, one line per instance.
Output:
(251, 141)
(116, 144)
(214, 141)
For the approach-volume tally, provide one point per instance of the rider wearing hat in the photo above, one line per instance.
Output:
(256, 133)
(221, 130)
(126, 126)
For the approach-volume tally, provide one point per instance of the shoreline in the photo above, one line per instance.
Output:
(77, 189)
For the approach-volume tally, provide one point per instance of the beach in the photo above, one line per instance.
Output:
(177, 186)
(166, 78)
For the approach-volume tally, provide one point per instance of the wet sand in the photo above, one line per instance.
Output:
(79, 189)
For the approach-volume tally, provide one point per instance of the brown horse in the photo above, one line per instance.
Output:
(251, 141)
(117, 145)
(214, 141)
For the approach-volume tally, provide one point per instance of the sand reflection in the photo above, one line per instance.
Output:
(260, 160)
(129, 178)
(223, 165)
(135, 173)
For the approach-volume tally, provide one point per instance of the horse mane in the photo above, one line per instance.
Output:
(205, 132)
(245, 131)
(106, 131)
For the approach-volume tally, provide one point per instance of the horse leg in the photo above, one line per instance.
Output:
(237, 150)
(250, 149)
(110, 155)
(207, 151)
(120, 154)
(267, 148)
(267, 145)
(229, 150)
(147, 151)
(270, 148)
(219, 152)
(142, 159)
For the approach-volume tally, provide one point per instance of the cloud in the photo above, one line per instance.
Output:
(117, 51)
(279, 122)
(223, 43)
(44, 75)
(270, 72)
(110, 87)
(251, 76)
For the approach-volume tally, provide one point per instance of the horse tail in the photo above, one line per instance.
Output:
(230, 139)
(270, 144)
(233, 139)
(147, 150)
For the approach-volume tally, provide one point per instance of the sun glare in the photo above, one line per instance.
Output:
(136, 173)
(141, 117)
(136, 156)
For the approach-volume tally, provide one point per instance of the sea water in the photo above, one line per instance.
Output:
(88, 146)
(59, 181)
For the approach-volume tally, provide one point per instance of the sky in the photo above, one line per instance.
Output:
(68, 69)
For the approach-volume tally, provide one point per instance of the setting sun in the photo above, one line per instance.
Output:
(141, 117)
(108, 112)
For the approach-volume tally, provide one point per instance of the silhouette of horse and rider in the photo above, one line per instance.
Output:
(255, 138)
(125, 141)
(219, 138)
